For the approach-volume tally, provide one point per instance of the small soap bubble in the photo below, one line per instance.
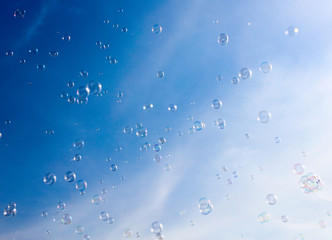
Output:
(81, 185)
(83, 92)
(115, 25)
(104, 216)
(291, 31)
(157, 147)
(216, 104)
(71, 99)
(310, 183)
(180, 133)
(7, 122)
(168, 129)
(120, 10)
(162, 140)
(49, 178)
(77, 158)
(47, 132)
(110, 220)
(229, 181)
(44, 213)
(70, 84)
(64, 95)
(157, 158)
(247, 135)
(167, 167)
(23, 61)
(113, 167)
(66, 219)
(271, 199)
(96, 199)
(94, 87)
(78, 144)
(142, 132)
(245, 73)
(192, 223)
(33, 51)
(120, 94)
(298, 168)
(223, 39)
(127, 130)
(70, 176)
(48, 231)
(156, 227)
(172, 107)
(235, 174)
(66, 38)
(118, 149)
(156, 29)
(218, 176)
(264, 116)
(277, 139)
(148, 106)
(86, 237)
(19, 13)
(10, 210)
(106, 21)
(228, 197)
(127, 233)
(284, 218)
(198, 126)
(41, 67)
(53, 53)
(235, 80)
(322, 224)
(220, 123)
(219, 78)
(113, 60)
(205, 206)
(138, 235)
(124, 29)
(61, 206)
(108, 159)
(160, 74)
(264, 217)
(265, 67)
(79, 230)
(84, 74)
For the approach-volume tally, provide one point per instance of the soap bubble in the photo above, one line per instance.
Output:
(127, 130)
(264, 116)
(53, 53)
(180, 133)
(70, 84)
(291, 31)
(168, 129)
(70, 176)
(223, 39)
(298, 168)
(167, 167)
(264, 217)
(245, 73)
(142, 132)
(235, 174)
(322, 224)
(162, 140)
(205, 206)
(157, 158)
(156, 147)
(41, 66)
(120, 10)
(310, 183)
(159, 236)
(127, 233)
(271, 199)
(71, 99)
(78, 144)
(148, 106)
(23, 61)
(139, 125)
(221, 123)
(47, 132)
(19, 13)
(156, 29)
(49, 178)
(198, 126)
(66, 219)
(83, 100)
(96, 199)
(64, 95)
(79, 230)
(284, 218)
(66, 37)
(106, 21)
(219, 78)
(172, 107)
(84, 74)
(77, 157)
(86, 237)
(94, 87)
(10, 210)
(156, 227)
(216, 104)
(33, 51)
(124, 29)
(235, 80)
(113, 168)
(61, 206)
(44, 213)
(277, 139)
(81, 185)
(110, 220)
(104, 216)
(113, 60)
(160, 74)
(83, 92)
(265, 67)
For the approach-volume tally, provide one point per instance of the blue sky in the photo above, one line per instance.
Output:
(296, 92)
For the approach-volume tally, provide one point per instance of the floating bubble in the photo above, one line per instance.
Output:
(218, 176)
(70, 176)
(47, 132)
(298, 168)
(162, 140)
(235, 174)
(235, 80)
(44, 213)
(216, 104)
(322, 224)
(168, 129)
(264, 116)
(49, 178)
(83, 100)
(223, 39)
(124, 29)
(53, 53)
(77, 157)
(61, 206)
(86, 237)
(48, 231)
(120, 94)
(70, 84)
(220, 123)
(66, 219)
(127, 233)
(127, 130)
(205, 206)
(291, 31)
(157, 158)
(264, 217)
(229, 181)
(113, 60)
(33, 51)
(78, 144)
(71, 99)
(160, 74)
(41, 67)
(180, 133)
(79, 230)
(156, 227)
(7, 122)
(167, 167)
(142, 132)
(148, 106)
(219, 78)
(81, 185)
(277, 139)
(198, 126)
(10, 210)
(106, 21)
(118, 149)
(23, 61)
(84, 74)
(113, 167)
(271, 199)
(110, 220)
(120, 10)
(265, 67)
(284, 218)
(19, 13)
(245, 73)
(96, 199)
(104, 216)
(66, 37)
(156, 147)
(310, 183)
(64, 95)
(94, 87)
(172, 107)
(156, 29)
(191, 130)
(83, 92)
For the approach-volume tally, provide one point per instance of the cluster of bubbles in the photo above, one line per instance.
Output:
(10, 210)
(310, 183)
(157, 229)
(205, 206)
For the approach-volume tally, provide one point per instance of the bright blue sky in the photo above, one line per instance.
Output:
(296, 92)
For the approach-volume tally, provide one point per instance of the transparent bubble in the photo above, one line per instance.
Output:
(160, 74)
(191, 130)
(156, 29)
(271, 199)
(162, 140)
(157, 147)
(229, 181)
(220, 123)
(82, 100)
(127, 233)
(138, 235)
(44, 213)
(168, 129)
(291, 31)
(47, 132)
(70, 176)
(61, 206)
(310, 183)
(172, 107)
(139, 125)
(7, 122)
(277, 139)
(247, 135)
(78, 144)
(83, 92)
(142, 132)
(120, 10)
(70, 84)
(322, 224)
(66, 38)
(53, 53)
(127, 130)
(216, 104)
(124, 29)
(104, 191)
(94, 87)
(64, 95)
(192, 223)
(264, 116)
(148, 106)
(113, 60)
(157, 158)
(9, 53)
(205, 206)
(264, 217)
(235, 80)
(115, 25)
(120, 94)
(77, 157)
(167, 167)
(84, 74)
(86, 237)
(41, 67)
(10, 210)
(81, 185)
(118, 149)
(219, 78)
(218, 176)
(23, 61)
(33, 51)
(245, 73)
(180, 133)
(265, 67)
(49, 178)
(298, 168)
(198, 126)
(113, 167)
(71, 99)
(96, 199)
(19, 13)
(156, 227)
(79, 230)
(110, 220)
(235, 174)
(106, 21)
(104, 216)
(223, 39)
(66, 219)
(284, 218)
